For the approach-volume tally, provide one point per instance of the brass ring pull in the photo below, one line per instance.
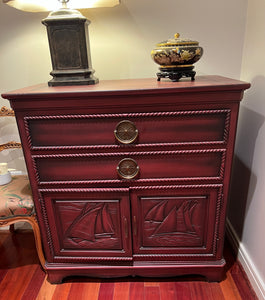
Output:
(126, 132)
(127, 168)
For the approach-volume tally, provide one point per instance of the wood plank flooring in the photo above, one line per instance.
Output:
(21, 278)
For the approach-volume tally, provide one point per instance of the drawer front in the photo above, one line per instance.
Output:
(178, 222)
(86, 225)
(152, 128)
(189, 164)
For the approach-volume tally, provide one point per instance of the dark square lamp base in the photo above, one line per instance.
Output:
(72, 78)
(69, 47)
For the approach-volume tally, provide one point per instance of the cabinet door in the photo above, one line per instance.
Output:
(87, 225)
(180, 221)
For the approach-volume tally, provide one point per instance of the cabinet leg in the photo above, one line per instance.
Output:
(55, 278)
(215, 277)
(216, 274)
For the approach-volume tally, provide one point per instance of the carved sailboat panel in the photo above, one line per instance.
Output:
(156, 213)
(93, 223)
(178, 220)
(103, 224)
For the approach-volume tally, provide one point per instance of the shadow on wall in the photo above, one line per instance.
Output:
(240, 194)
(243, 180)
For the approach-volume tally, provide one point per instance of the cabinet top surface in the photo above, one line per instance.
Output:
(130, 86)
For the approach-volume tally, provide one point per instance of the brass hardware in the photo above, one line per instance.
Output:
(126, 228)
(126, 132)
(128, 168)
(134, 225)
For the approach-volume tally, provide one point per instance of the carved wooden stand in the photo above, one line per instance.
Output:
(175, 74)
(131, 177)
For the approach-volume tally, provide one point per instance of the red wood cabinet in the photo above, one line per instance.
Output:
(131, 177)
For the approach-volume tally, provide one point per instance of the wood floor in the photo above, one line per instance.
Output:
(22, 278)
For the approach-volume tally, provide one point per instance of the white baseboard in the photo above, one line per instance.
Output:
(243, 257)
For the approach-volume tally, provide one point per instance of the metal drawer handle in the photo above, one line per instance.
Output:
(128, 168)
(126, 132)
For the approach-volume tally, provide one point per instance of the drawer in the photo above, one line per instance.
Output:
(114, 167)
(103, 130)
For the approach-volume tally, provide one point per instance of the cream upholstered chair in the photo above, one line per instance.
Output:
(16, 203)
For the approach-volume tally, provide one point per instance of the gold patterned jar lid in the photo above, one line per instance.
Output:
(177, 41)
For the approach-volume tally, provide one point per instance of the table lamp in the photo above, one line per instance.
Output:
(67, 31)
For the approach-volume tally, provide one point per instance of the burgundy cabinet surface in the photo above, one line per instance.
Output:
(87, 226)
(175, 222)
(131, 177)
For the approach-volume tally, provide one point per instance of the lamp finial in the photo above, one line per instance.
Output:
(64, 3)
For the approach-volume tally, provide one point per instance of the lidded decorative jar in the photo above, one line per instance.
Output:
(176, 57)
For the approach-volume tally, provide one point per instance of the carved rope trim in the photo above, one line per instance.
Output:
(219, 210)
(46, 224)
(132, 115)
(137, 188)
(6, 112)
(4, 223)
(160, 257)
(119, 147)
(125, 182)
(147, 153)
(9, 145)
(76, 259)
(135, 258)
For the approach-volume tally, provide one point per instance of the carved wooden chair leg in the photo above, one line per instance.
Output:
(34, 224)
(12, 228)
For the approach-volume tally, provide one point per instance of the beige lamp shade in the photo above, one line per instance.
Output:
(49, 5)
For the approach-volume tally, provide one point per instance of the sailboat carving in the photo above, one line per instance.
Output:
(156, 213)
(92, 224)
(178, 220)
